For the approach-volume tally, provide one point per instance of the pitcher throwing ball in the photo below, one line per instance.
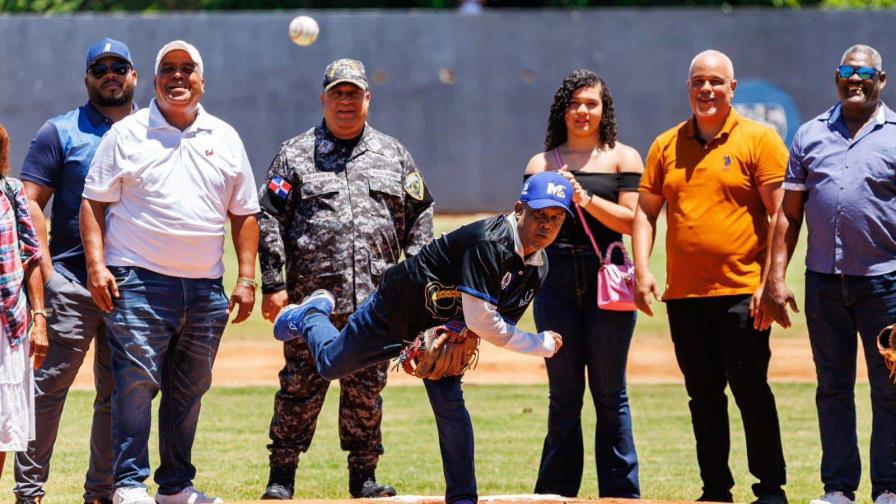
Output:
(485, 274)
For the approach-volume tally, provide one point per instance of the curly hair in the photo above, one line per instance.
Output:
(4, 151)
(556, 134)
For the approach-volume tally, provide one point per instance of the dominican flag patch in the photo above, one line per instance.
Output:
(279, 187)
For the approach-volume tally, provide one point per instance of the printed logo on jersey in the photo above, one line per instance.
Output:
(279, 187)
(442, 301)
(727, 163)
(556, 190)
(527, 298)
(505, 281)
(413, 185)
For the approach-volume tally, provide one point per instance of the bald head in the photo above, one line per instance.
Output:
(711, 87)
(715, 60)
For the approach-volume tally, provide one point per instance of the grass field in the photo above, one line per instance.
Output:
(510, 423)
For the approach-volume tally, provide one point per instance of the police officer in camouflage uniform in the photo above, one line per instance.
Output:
(339, 205)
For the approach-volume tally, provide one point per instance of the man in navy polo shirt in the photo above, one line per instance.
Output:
(842, 178)
(56, 165)
(485, 273)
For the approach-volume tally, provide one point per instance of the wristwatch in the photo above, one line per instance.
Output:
(247, 282)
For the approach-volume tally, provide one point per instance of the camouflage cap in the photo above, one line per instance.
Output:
(345, 70)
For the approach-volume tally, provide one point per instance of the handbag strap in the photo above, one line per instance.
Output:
(600, 256)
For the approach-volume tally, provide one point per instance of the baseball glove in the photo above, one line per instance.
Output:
(886, 345)
(438, 352)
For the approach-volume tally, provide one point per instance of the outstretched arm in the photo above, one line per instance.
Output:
(483, 319)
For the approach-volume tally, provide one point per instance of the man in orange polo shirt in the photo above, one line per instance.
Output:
(720, 176)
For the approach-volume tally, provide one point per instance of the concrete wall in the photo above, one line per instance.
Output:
(468, 96)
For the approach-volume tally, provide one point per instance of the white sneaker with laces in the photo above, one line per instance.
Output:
(188, 495)
(132, 495)
(887, 497)
(833, 498)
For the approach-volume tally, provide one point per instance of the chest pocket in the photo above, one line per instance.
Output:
(880, 166)
(321, 188)
(385, 185)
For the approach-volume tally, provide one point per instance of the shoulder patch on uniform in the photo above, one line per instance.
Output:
(279, 187)
(413, 185)
(385, 173)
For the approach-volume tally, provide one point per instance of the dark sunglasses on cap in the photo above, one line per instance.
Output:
(99, 70)
(864, 73)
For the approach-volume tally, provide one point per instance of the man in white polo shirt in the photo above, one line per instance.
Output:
(160, 189)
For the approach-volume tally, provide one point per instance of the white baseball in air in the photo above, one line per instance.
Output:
(303, 30)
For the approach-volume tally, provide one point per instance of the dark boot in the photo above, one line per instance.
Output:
(362, 485)
(281, 484)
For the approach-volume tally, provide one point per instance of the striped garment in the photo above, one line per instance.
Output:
(18, 249)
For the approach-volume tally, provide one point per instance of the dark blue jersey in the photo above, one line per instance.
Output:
(479, 259)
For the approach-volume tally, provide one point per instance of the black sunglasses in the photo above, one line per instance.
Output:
(864, 72)
(99, 70)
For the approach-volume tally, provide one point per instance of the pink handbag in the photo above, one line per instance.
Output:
(615, 282)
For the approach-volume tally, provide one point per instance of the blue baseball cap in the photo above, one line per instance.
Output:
(547, 189)
(107, 47)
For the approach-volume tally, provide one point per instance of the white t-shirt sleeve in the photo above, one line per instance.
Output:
(244, 198)
(103, 181)
(483, 318)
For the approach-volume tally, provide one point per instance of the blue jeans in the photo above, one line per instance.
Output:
(838, 306)
(595, 345)
(366, 340)
(164, 334)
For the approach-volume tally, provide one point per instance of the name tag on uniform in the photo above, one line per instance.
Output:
(317, 177)
(385, 173)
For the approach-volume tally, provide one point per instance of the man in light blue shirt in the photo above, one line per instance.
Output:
(842, 177)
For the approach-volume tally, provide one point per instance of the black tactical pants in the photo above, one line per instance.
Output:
(301, 396)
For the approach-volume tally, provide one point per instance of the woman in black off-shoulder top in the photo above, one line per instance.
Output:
(581, 140)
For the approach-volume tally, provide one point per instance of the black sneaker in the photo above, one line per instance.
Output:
(281, 484)
(773, 498)
(277, 491)
(370, 489)
(21, 499)
(708, 497)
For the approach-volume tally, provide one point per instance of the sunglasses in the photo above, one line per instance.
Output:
(99, 70)
(864, 73)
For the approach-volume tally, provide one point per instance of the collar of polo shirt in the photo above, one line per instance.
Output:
(157, 120)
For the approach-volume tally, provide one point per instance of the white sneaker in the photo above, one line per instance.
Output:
(834, 498)
(887, 497)
(132, 495)
(188, 495)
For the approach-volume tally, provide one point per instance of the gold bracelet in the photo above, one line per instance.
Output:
(42, 313)
(247, 282)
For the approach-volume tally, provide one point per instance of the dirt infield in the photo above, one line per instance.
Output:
(651, 360)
